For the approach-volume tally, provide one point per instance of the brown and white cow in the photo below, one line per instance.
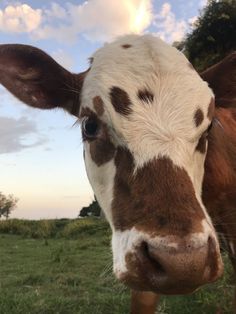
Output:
(160, 157)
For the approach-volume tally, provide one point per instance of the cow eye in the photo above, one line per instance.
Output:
(90, 128)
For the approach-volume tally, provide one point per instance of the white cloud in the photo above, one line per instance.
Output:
(15, 134)
(203, 3)
(169, 28)
(192, 20)
(97, 20)
(20, 18)
(64, 59)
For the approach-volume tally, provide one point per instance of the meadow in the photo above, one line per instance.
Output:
(65, 267)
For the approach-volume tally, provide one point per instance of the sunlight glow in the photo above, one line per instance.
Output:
(142, 16)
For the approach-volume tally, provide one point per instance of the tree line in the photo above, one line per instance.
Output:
(213, 35)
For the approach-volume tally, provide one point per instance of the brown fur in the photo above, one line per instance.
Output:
(142, 201)
(126, 46)
(143, 302)
(221, 77)
(145, 95)
(120, 100)
(198, 117)
(98, 105)
(219, 187)
(201, 146)
(211, 109)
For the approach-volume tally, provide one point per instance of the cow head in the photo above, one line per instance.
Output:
(145, 115)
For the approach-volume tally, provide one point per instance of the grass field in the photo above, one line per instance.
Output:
(70, 271)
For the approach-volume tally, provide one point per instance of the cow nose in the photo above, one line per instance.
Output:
(182, 267)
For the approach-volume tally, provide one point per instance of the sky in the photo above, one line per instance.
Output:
(41, 159)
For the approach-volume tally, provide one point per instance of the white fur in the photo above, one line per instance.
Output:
(102, 181)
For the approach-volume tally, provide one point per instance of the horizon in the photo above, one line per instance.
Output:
(41, 152)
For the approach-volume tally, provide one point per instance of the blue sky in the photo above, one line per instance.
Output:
(41, 160)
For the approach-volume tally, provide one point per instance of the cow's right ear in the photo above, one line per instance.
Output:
(221, 77)
(38, 80)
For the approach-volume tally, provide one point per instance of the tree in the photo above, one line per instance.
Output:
(213, 36)
(7, 204)
(92, 210)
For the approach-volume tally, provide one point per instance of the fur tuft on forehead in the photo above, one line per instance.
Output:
(150, 84)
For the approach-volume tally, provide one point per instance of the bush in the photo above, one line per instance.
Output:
(44, 229)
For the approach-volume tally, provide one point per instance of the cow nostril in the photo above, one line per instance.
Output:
(150, 253)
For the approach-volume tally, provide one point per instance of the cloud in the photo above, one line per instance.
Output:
(96, 20)
(192, 21)
(203, 3)
(64, 59)
(20, 18)
(14, 134)
(169, 28)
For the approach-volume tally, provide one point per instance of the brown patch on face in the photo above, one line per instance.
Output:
(159, 199)
(98, 105)
(145, 95)
(120, 100)
(201, 146)
(126, 46)
(211, 109)
(198, 117)
(101, 148)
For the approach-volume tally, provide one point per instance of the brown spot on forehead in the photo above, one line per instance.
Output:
(211, 109)
(198, 117)
(126, 46)
(120, 100)
(158, 199)
(145, 95)
(98, 105)
(201, 146)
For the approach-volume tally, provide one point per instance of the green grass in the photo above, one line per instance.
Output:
(71, 272)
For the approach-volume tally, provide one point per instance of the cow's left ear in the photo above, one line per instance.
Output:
(38, 80)
(221, 77)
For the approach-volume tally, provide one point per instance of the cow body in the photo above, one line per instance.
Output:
(159, 156)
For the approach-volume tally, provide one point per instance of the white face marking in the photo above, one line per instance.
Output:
(102, 181)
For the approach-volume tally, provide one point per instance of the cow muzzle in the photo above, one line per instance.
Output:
(172, 266)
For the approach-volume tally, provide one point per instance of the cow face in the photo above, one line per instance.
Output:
(145, 115)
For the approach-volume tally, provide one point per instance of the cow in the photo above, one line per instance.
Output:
(160, 154)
